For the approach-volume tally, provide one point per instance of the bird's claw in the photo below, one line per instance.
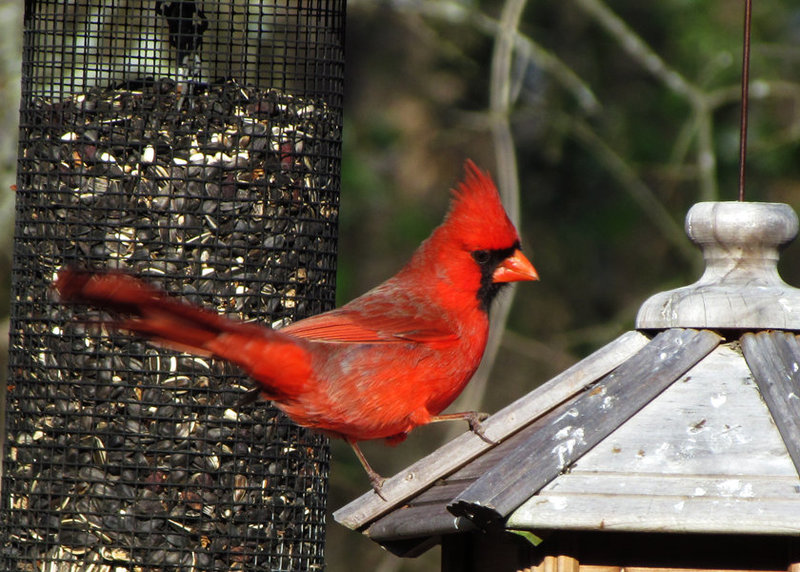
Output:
(474, 420)
(377, 484)
(374, 478)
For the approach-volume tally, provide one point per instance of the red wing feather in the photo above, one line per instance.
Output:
(347, 327)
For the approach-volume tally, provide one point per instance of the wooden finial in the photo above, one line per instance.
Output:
(741, 287)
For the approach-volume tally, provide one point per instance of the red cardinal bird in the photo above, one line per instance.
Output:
(377, 367)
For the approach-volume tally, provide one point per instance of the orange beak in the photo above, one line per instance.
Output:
(515, 268)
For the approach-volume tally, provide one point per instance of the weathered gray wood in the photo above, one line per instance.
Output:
(573, 428)
(411, 547)
(741, 287)
(774, 359)
(671, 511)
(745, 487)
(441, 492)
(712, 421)
(499, 426)
(416, 522)
(704, 454)
(426, 514)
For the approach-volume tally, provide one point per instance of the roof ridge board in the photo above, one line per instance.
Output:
(574, 428)
(417, 522)
(773, 358)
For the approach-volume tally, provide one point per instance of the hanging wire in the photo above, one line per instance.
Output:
(748, 7)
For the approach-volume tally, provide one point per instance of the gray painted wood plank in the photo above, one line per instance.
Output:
(774, 359)
(499, 426)
(416, 522)
(441, 492)
(688, 486)
(478, 467)
(708, 438)
(711, 421)
(659, 514)
(572, 429)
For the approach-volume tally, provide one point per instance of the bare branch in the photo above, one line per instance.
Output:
(458, 13)
(638, 49)
(636, 189)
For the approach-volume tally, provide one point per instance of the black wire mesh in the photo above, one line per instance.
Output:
(196, 144)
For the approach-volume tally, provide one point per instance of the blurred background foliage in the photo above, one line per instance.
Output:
(613, 117)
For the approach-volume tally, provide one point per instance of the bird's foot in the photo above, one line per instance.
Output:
(377, 483)
(474, 419)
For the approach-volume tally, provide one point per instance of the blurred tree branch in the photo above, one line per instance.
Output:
(454, 12)
(699, 123)
(636, 47)
(637, 189)
(500, 109)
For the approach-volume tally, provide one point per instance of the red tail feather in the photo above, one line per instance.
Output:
(155, 315)
(261, 352)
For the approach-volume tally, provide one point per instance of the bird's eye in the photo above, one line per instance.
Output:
(481, 256)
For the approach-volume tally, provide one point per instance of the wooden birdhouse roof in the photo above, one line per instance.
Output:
(689, 424)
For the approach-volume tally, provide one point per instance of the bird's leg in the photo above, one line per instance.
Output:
(374, 478)
(473, 418)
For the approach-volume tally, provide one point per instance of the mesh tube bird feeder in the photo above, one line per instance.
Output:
(196, 144)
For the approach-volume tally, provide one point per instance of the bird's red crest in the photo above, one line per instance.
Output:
(476, 213)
